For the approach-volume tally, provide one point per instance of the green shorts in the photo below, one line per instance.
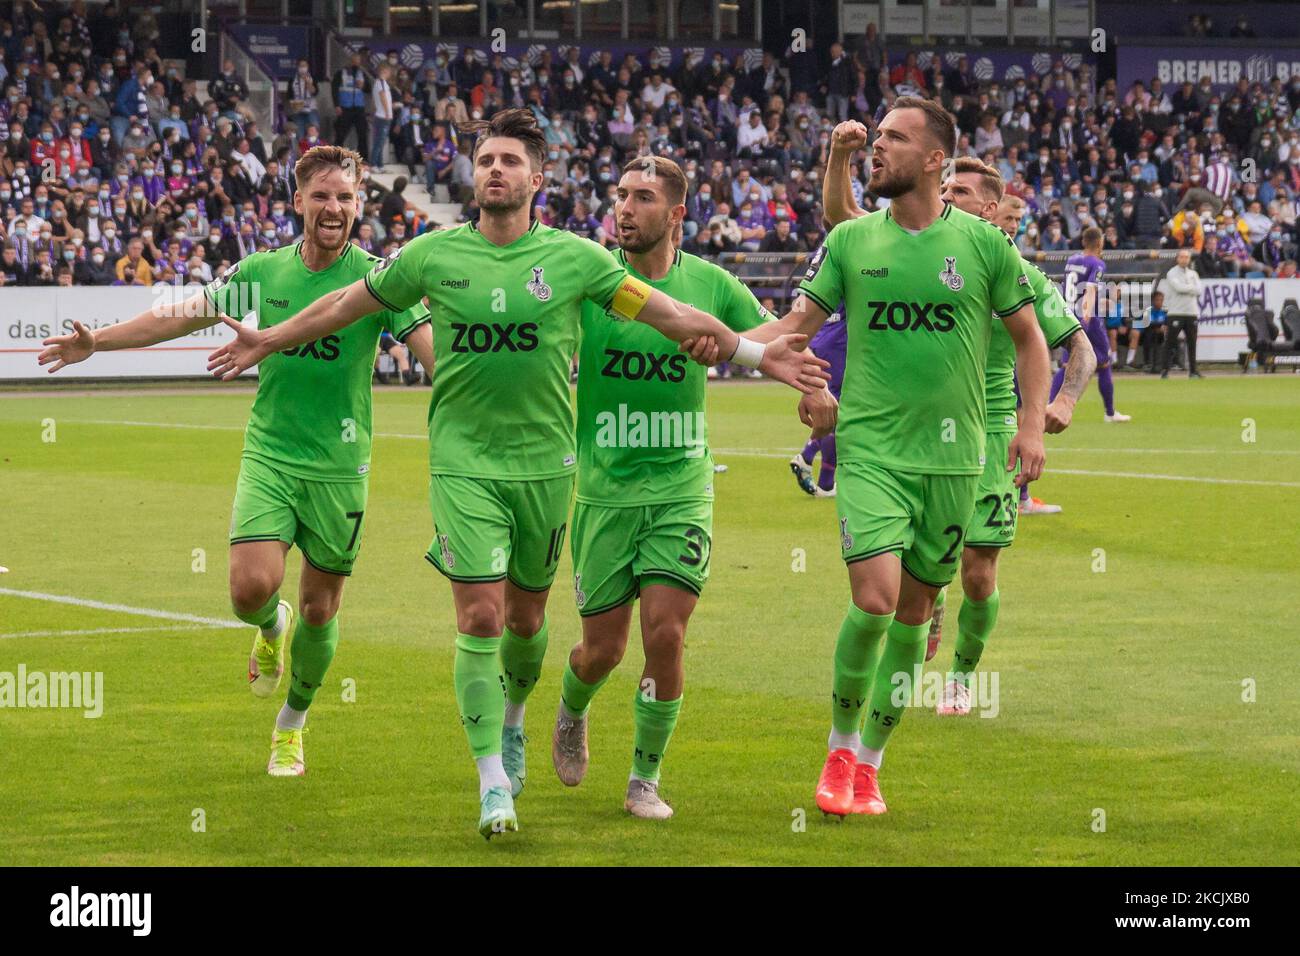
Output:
(618, 551)
(490, 529)
(997, 500)
(323, 518)
(923, 517)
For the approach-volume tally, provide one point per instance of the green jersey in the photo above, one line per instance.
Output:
(1058, 324)
(642, 438)
(919, 309)
(311, 416)
(505, 327)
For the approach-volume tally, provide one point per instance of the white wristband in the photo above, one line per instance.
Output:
(748, 353)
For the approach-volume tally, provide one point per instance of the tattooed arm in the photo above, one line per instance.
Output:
(1078, 370)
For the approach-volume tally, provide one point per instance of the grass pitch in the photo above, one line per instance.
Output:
(1160, 691)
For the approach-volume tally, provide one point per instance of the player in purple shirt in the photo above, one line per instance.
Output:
(830, 343)
(1083, 290)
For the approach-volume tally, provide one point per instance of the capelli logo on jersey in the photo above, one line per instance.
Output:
(881, 273)
(454, 283)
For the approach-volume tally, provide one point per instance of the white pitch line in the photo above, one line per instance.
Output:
(123, 608)
(1176, 451)
(761, 453)
(768, 453)
(109, 630)
(1207, 481)
(214, 428)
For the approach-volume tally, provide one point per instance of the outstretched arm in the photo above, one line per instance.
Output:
(1032, 368)
(160, 323)
(327, 314)
(773, 354)
(804, 318)
(1078, 370)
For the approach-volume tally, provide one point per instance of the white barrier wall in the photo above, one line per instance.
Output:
(29, 315)
(1221, 329)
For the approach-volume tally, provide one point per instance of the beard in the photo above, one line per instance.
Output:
(891, 185)
(327, 242)
(644, 239)
(504, 200)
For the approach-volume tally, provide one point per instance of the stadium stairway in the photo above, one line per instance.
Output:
(442, 214)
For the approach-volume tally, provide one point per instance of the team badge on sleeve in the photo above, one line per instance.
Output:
(223, 280)
(815, 264)
(537, 286)
(950, 276)
(391, 258)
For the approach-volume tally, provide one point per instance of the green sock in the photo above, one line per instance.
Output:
(310, 655)
(855, 660)
(478, 693)
(903, 654)
(975, 622)
(264, 616)
(575, 693)
(655, 720)
(521, 662)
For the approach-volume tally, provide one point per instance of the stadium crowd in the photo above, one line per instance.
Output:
(115, 171)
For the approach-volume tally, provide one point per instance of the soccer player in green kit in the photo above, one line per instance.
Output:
(978, 189)
(922, 282)
(643, 522)
(304, 473)
(506, 296)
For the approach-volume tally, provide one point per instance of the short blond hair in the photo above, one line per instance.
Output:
(319, 158)
(991, 183)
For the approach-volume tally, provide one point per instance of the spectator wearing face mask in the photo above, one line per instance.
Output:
(439, 153)
(1274, 250)
(410, 138)
(300, 96)
(43, 147)
(94, 269)
(103, 153)
(1264, 153)
(42, 273)
(268, 237)
(138, 137)
(111, 237)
